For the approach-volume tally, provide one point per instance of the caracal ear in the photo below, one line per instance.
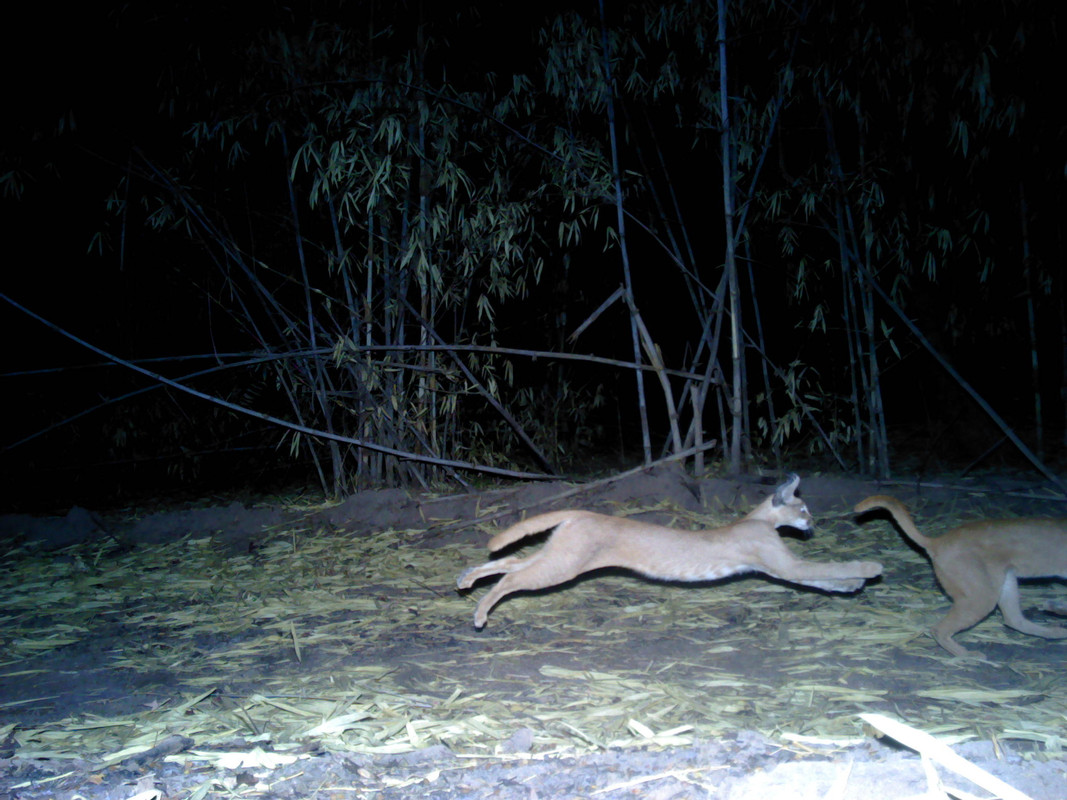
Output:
(784, 493)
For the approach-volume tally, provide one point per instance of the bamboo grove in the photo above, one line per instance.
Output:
(446, 245)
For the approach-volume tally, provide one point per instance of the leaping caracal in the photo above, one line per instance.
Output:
(584, 541)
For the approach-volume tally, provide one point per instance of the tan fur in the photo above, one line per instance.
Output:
(979, 564)
(584, 541)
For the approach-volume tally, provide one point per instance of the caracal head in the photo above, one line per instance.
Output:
(784, 508)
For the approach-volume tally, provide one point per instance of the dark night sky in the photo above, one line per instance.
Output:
(81, 66)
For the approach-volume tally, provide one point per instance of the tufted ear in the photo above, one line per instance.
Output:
(784, 493)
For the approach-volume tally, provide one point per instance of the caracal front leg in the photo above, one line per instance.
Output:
(830, 576)
(1013, 614)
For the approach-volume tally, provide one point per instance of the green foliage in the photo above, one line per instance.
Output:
(410, 212)
(369, 208)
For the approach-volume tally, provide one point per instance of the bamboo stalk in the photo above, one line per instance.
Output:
(772, 418)
(628, 289)
(1035, 371)
(1000, 423)
(929, 747)
(729, 180)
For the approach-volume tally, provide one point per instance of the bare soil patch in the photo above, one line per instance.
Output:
(265, 651)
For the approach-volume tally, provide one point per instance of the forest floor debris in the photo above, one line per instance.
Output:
(281, 649)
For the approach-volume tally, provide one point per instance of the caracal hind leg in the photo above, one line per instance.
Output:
(1055, 607)
(1013, 614)
(560, 559)
(472, 575)
(967, 610)
(536, 572)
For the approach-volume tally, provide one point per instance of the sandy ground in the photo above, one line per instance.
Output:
(77, 684)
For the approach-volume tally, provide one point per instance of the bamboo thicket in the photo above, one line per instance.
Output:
(674, 222)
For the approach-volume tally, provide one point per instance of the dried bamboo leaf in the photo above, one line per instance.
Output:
(565, 661)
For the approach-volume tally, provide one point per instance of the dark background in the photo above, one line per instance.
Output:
(88, 89)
